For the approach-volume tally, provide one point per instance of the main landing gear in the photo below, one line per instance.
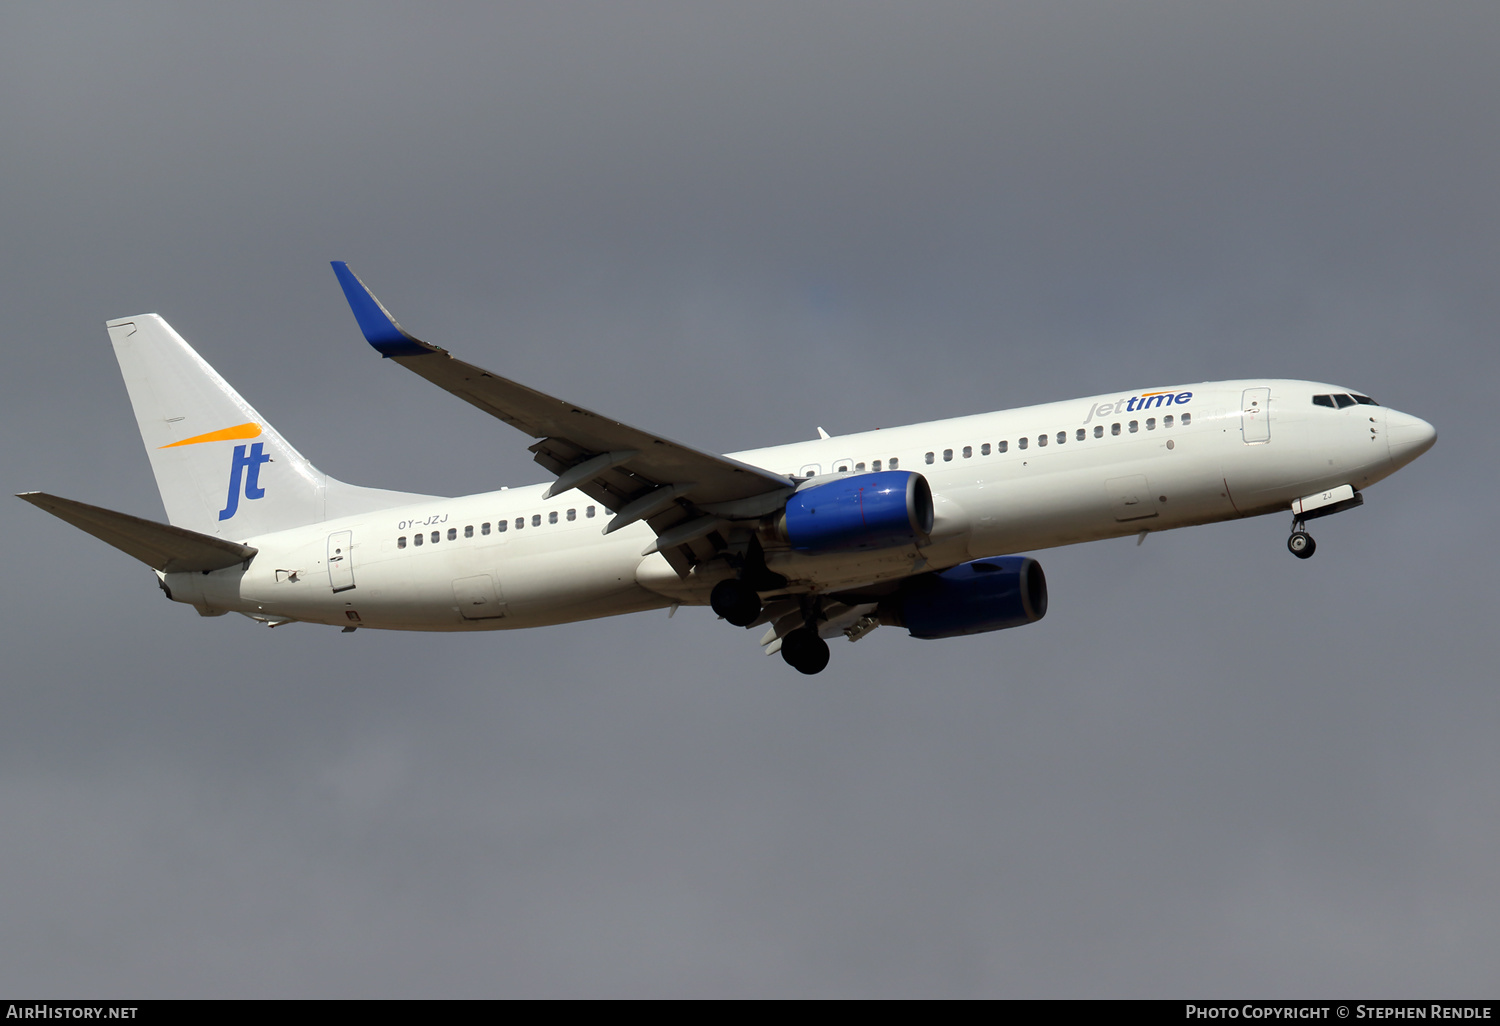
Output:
(804, 651)
(735, 601)
(738, 601)
(1301, 544)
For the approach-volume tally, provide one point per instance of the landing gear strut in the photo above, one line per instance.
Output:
(804, 651)
(1301, 544)
(735, 601)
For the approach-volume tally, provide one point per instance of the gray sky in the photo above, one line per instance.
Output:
(1212, 770)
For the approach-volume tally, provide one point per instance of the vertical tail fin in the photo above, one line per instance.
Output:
(221, 468)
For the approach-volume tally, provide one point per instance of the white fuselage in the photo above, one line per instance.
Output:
(1110, 465)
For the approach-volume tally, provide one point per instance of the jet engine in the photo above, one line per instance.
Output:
(862, 511)
(971, 598)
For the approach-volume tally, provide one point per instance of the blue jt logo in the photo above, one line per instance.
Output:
(237, 472)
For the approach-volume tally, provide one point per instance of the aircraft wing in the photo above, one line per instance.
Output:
(160, 546)
(688, 497)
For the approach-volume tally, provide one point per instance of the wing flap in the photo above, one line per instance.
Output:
(159, 546)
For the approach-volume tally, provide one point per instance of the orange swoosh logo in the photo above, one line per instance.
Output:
(251, 430)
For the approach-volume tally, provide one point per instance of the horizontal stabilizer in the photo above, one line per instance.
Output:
(164, 548)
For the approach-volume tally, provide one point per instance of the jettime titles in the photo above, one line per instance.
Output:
(1136, 403)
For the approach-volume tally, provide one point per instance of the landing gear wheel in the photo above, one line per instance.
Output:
(736, 602)
(1301, 545)
(804, 651)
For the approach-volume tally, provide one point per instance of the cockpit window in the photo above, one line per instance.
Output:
(1341, 401)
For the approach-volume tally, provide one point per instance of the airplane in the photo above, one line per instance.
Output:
(922, 527)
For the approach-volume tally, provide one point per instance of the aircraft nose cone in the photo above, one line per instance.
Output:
(1409, 436)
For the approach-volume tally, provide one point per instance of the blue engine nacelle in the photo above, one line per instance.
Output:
(971, 598)
(863, 511)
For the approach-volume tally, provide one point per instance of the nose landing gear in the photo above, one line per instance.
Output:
(1301, 544)
(1311, 507)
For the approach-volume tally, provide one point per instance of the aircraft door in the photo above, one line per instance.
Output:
(478, 598)
(340, 561)
(1255, 415)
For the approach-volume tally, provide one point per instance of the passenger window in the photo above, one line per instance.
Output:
(1135, 426)
(1166, 421)
(501, 525)
(984, 450)
(416, 540)
(1323, 400)
(1002, 446)
(572, 515)
(401, 542)
(1041, 440)
(435, 536)
(1081, 435)
(1062, 436)
(875, 466)
(484, 528)
(589, 512)
(1021, 443)
(1150, 423)
(1114, 429)
(947, 455)
(520, 523)
(1187, 418)
(453, 534)
(1344, 400)
(843, 468)
(469, 531)
(536, 520)
(930, 457)
(859, 466)
(1098, 430)
(895, 463)
(552, 517)
(968, 451)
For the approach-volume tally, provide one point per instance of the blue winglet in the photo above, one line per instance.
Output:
(379, 327)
